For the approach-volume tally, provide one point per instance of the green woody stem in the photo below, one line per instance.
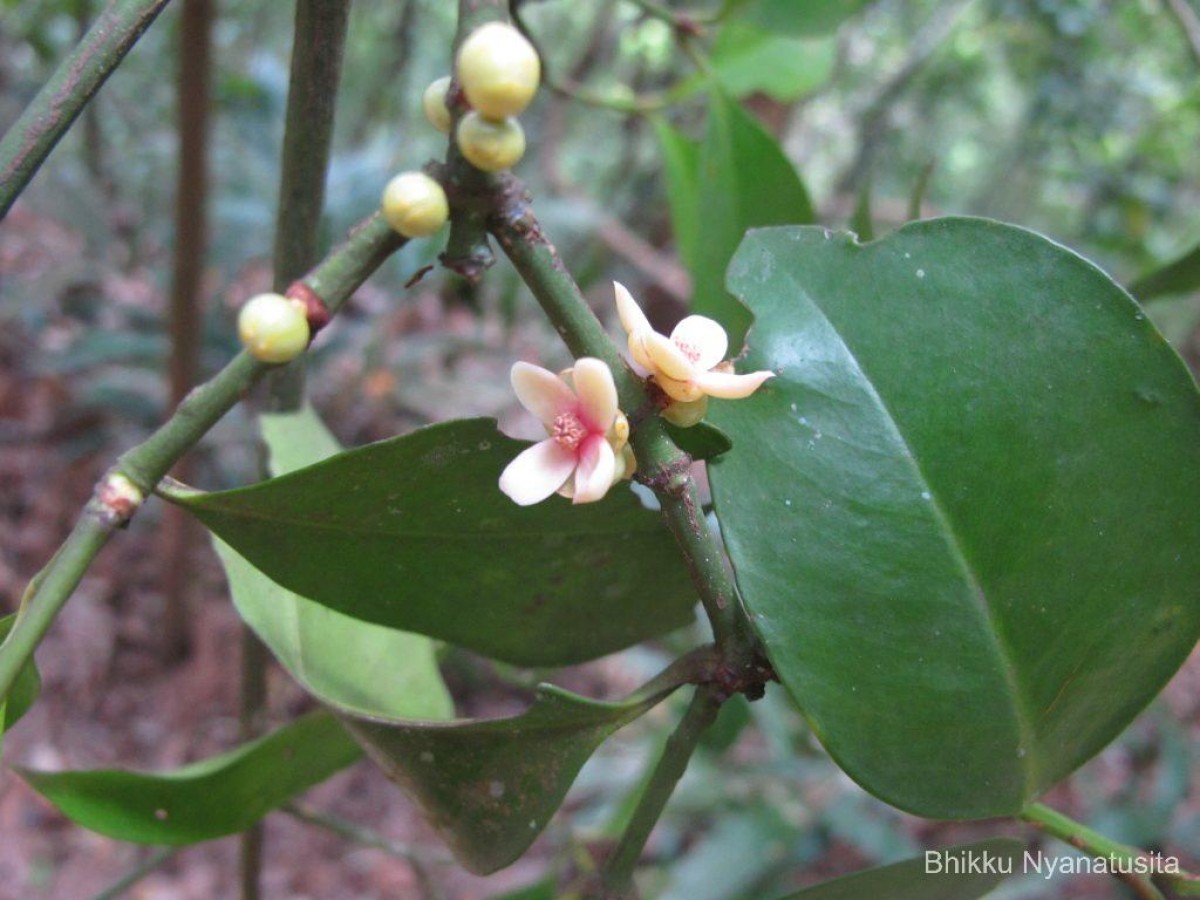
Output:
(31, 138)
(1082, 838)
(661, 465)
(136, 473)
(618, 869)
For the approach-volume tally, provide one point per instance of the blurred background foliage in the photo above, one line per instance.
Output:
(1077, 118)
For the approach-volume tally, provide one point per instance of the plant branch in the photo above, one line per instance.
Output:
(47, 117)
(184, 320)
(661, 465)
(135, 474)
(1082, 838)
(152, 862)
(365, 837)
(319, 40)
(1189, 24)
(617, 873)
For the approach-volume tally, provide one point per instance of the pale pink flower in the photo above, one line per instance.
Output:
(585, 453)
(689, 364)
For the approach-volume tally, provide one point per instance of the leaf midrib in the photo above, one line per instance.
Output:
(507, 535)
(954, 542)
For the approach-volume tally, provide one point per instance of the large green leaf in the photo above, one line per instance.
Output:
(354, 664)
(744, 181)
(1176, 277)
(414, 534)
(963, 872)
(809, 17)
(747, 59)
(681, 166)
(966, 514)
(209, 799)
(489, 787)
(24, 690)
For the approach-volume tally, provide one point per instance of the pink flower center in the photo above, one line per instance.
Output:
(568, 430)
(691, 351)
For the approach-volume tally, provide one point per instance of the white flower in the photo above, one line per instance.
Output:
(690, 363)
(588, 435)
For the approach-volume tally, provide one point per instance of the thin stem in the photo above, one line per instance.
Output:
(136, 472)
(47, 117)
(152, 862)
(1082, 838)
(617, 872)
(1189, 24)
(191, 239)
(251, 715)
(365, 837)
(317, 50)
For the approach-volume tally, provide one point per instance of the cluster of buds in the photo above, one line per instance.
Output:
(586, 450)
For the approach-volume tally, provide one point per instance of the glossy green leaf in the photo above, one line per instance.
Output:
(295, 440)
(413, 533)
(24, 691)
(342, 660)
(681, 165)
(748, 60)
(964, 514)
(810, 17)
(745, 181)
(701, 441)
(489, 787)
(1176, 277)
(209, 799)
(932, 876)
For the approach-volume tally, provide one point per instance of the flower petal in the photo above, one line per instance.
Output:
(686, 391)
(637, 352)
(594, 474)
(597, 393)
(537, 472)
(706, 337)
(541, 391)
(668, 358)
(631, 315)
(730, 386)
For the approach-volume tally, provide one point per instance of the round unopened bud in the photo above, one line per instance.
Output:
(433, 101)
(273, 328)
(414, 204)
(488, 145)
(499, 70)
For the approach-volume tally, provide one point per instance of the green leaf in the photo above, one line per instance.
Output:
(354, 664)
(745, 181)
(489, 787)
(964, 513)
(221, 795)
(810, 17)
(295, 440)
(24, 691)
(928, 877)
(681, 165)
(700, 441)
(413, 533)
(1176, 277)
(749, 60)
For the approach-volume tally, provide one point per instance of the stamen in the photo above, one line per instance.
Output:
(568, 431)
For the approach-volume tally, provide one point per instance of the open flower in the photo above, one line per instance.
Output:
(688, 365)
(586, 451)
